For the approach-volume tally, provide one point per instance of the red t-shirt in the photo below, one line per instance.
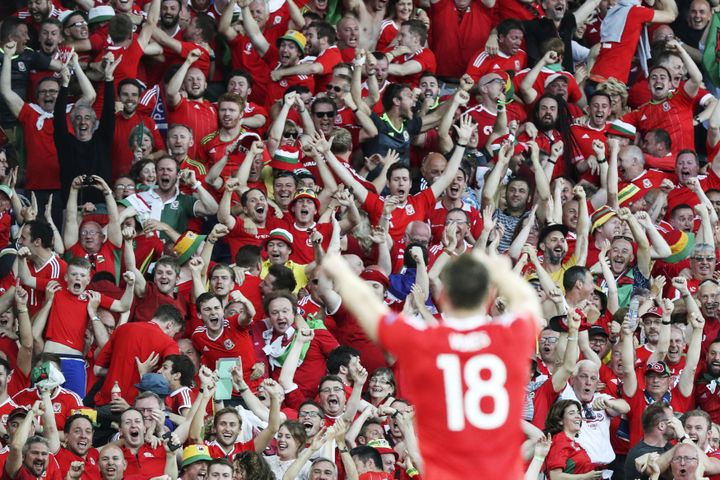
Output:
(144, 308)
(180, 400)
(63, 402)
(53, 269)
(122, 154)
(216, 451)
(348, 332)
(584, 136)
(466, 379)
(425, 57)
(245, 56)
(149, 462)
(42, 167)
(482, 63)
(566, 454)
(388, 32)
(137, 339)
(302, 249)
(276, 90)
(328, 59)
(233, 342)
(417, 207)
(615, 58)
(200, 115)
(106, 260)
(438, 215)
(68, 318)
(65, 457)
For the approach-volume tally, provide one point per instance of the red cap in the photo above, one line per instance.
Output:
(374, 274)
(656, 311)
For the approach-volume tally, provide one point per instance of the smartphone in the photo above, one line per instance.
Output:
(224, 385)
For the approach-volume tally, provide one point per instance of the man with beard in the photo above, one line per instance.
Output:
(657, 385)
(30, 456)
(195, 462)
(78, 447)
(671, 110)
(510, 57)
(126, 120)
(659, 428)
(631, 270)
(197, 36)
(50, 37)
(186, 102)
(255, 117)
(706, 394)
(217, 339)
(321, 45)
(165, 203)
(400, 207)
(170, 18)
(348, 35)
(42, 169)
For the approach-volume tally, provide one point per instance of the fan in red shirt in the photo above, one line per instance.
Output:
(321, 45)
(585, 135)
(465, 377)
(670, 110)
(566, 455)
(30, 458)
(288, 53)
(78, 447)
(411, 58)
(510, 57)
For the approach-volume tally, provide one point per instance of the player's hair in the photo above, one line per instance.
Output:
(284, 277)
(232, 98)
(130, 81)
(598, 93)
(585, 363)
(395, 167)
(299, 89)
(181, 125)
(460, 210)
(297, 431)
(324, 30)
(183, 365)
(32, 441)
(74, 417)
(286, 294)
(138, 166)
(697, 413)
(466, 282)
(662, 136)
(253, 465)
(169, 313)
(168, 261)
(392, 92)
(204, 298)
(4, 363)
(206, 25)
(340, 357)
(242, 73)
(417, 27)
(427, 73)
(246, 194)
(120, 28)
(150, 394)
(366, 454)
(9, 27)
(167, 157)
(685, 151)
(573, 275)
(652, 416)
(220, 461)
(554, 44)
(53, 21)
(556, 413)
(223, 411)
(41, 230)
(223, 266)
(179, 2)
(368, 423)
(248, 256)
(49, 79)
(342, 141)
(508, 25)
(79, 262)
(379, 56)
(677, 208)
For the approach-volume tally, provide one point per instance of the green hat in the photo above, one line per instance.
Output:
(195, 453)
(187, 245)
(296, 37)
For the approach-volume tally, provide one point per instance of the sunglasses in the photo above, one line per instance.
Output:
(291, 134)
(324, 114)
(335, 88)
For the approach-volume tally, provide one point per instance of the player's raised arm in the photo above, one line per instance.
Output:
(356, 294)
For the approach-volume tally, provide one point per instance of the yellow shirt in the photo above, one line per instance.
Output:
(297, 269)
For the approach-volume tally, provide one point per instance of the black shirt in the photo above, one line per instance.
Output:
(22, 64)
(539, 30)
(640, 449)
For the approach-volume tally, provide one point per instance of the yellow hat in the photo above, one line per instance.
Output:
(195, 453)
(296, 37)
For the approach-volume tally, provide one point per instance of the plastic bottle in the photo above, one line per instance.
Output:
(115, 392)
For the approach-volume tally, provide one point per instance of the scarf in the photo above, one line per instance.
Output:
(613, 26)
(710, 56)
(277, 352)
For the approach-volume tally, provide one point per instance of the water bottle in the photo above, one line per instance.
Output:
(633, 312)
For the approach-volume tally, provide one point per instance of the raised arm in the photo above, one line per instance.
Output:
(323, 147)
(263, 439)
(687, 376)
(12, 99)
(527, 91)
(695, 77)
(464, 132)
(225, 26)
(71, 231)
(175, 83)
(643, 245)
(582, 231)
(629, 378)
(492, 182)
(252, 30)
(667, 13)
(225, 215)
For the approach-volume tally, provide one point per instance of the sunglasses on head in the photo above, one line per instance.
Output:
(324, 114)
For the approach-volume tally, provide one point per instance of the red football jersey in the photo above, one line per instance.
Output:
(466, 379)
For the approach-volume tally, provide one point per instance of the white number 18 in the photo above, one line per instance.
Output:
(466, 406)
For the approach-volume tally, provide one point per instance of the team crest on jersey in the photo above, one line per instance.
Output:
(301, 311)
(21, 66)
(409, 209)
(248, 47)
(283, 83)
(228, 344)
(308, 242)
(666, 106)
(277, 20)
(517, 64)
(175, 205)
(57, 408)
(647, 183)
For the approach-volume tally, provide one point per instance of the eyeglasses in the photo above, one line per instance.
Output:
(125, 187)
(81, 23)
(324, 114)
(291, 134)
(455, 222)
(89, 233)
(704, 259)
(334, 87)
(47, 92)
(379, 381)
(331, 390)
(309, 414)
(683, 459)
(550, 340)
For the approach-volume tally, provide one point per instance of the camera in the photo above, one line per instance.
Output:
(88, 181)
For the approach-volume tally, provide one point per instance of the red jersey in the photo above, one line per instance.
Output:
(615, 58)
(137, 339)
(683, 195)
(388, 32)
(217, 451)
(584, 136)
(200, 115)
(573, 89)
(330, 57)
(276, 90)
(144, 308)
(518, 9)
(63, 402)
(438, 215)
(302, 249)
(674, 114)
(107, 259)
(565, 451)
(466, 379)
(68, 318)
(42, 168)
(122, 154)
(65, 457)
(348, 332)
(180, 400)
(482, 63)
(149, 462)
(425, 57)
(53, 269)
(5, 408)
(233, 342)
(647, 180)
(417, 207)
(245, 56)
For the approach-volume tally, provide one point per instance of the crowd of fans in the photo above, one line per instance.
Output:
(182, 180)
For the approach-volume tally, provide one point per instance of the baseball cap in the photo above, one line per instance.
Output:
(100, 14)
(556, 227)
(17, 412)
(154, 382)
(195, 453)
(655, 311)
(374, 274)
(296, 37)
(597, 330)
(555, 76)
(382, 446)
(657, 368)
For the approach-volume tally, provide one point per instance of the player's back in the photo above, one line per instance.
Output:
(466, 379)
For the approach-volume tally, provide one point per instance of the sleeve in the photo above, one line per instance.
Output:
(272, 56)
(476, 66)
(427, 199)
(40, 61)
(329, 58)
(393, 332)
(107, 120)
(171, 348)
(106, 302)
(60, 132)
(157, 138)
(643, 14)
(557, 456)
(631, 117)
(328, 343)
(373, 205)
(105, 354)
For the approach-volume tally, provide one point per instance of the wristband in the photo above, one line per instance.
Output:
(343, 450)
(354, 110)
(666, 323)
(461, 145)
(552, 162)
(604, 160)
(196, 185)
(683, 438)
(412, 472)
